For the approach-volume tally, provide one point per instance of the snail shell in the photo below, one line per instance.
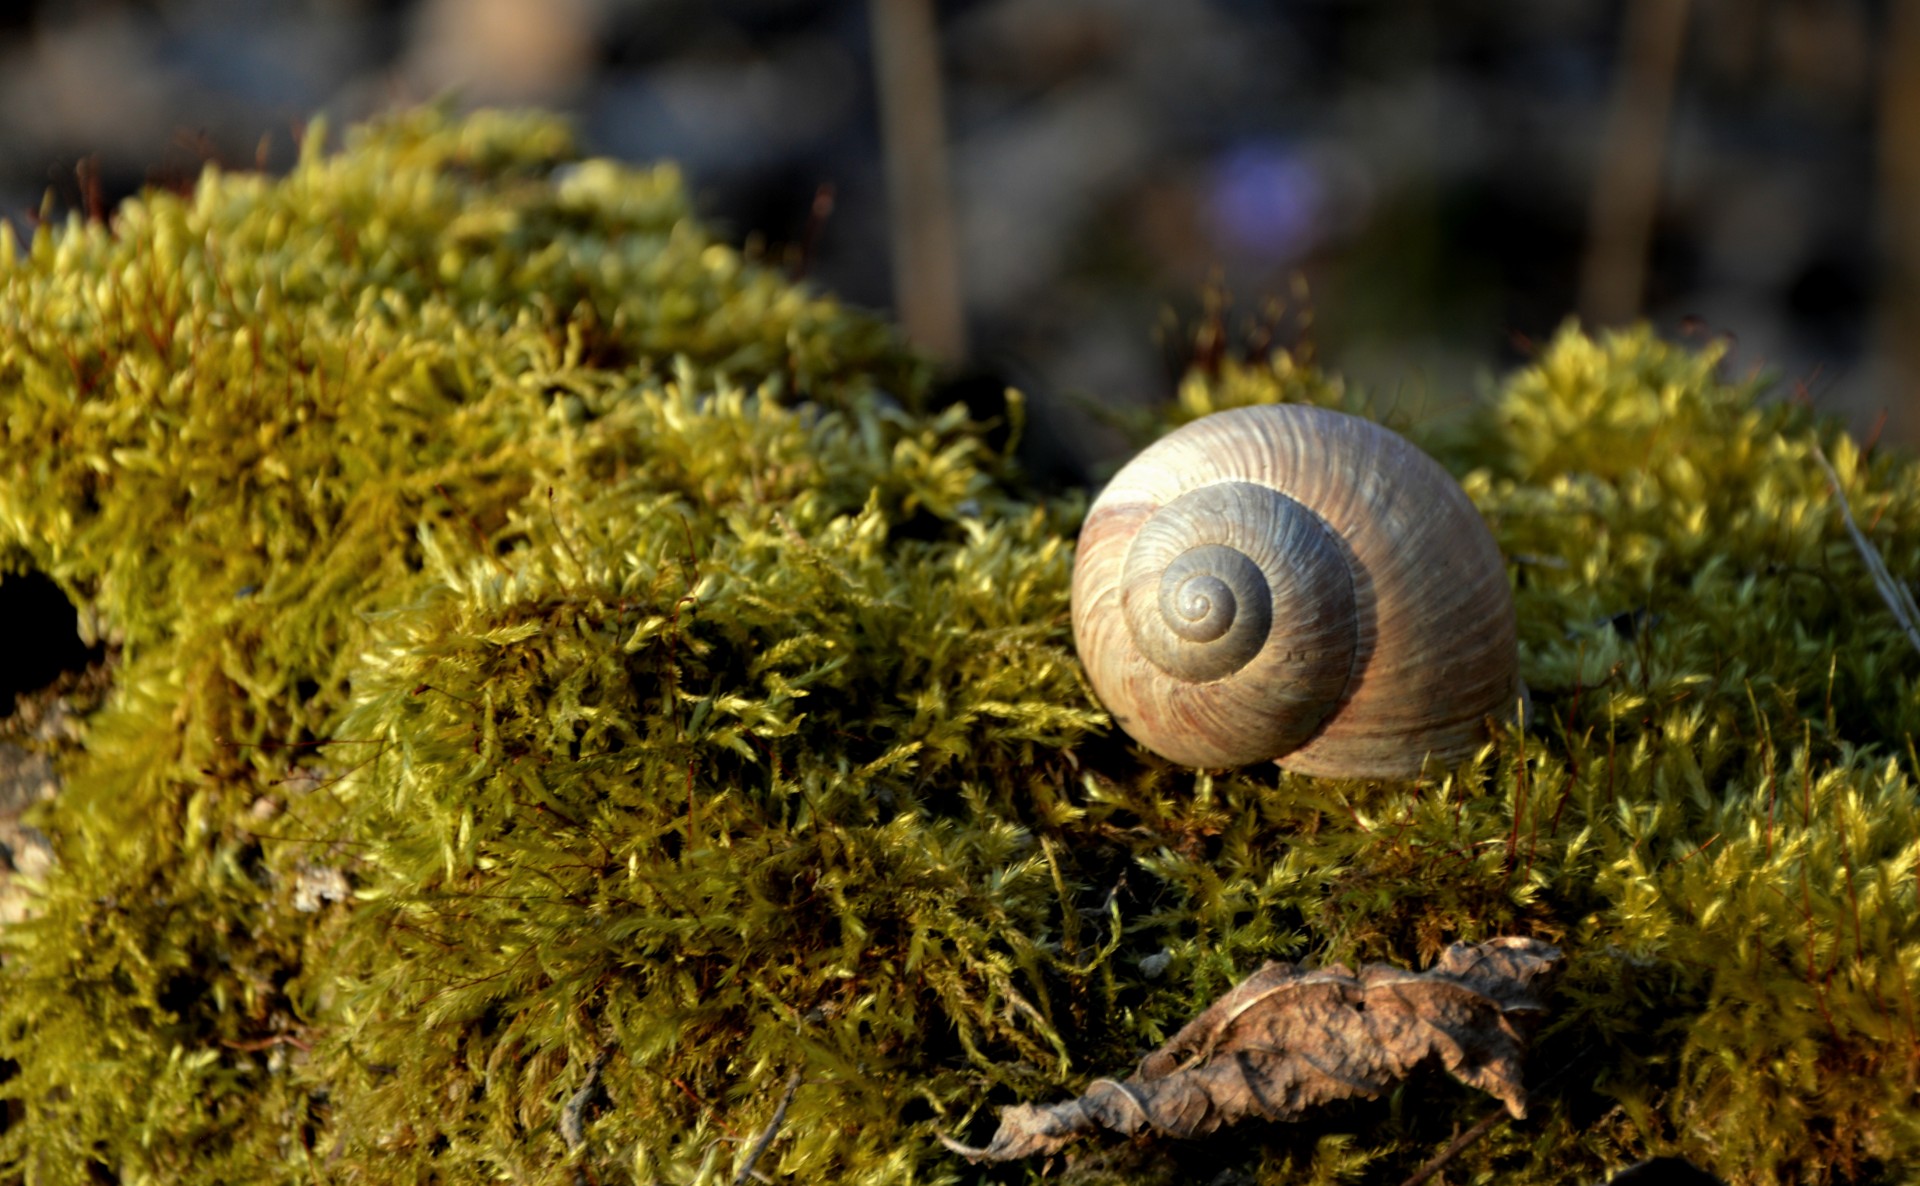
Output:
(1291, 583)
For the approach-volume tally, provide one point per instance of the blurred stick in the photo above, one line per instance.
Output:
(926, 272)
(767, 1134)
(1626, 194)
(1460, 1144)
(573, 1117)
(1899, 198)
(1898, 597)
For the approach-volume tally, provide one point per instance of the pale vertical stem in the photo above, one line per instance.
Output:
(1626, 192)
(926, 271)
(1899, 200)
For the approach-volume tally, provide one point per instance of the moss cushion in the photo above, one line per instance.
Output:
(565, 680)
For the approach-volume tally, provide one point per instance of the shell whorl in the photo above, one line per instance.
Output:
(1292, 583)
(1210, 596)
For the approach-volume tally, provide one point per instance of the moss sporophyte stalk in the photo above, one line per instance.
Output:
(565, 681)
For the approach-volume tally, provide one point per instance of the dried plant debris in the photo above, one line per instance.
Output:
(1285, 1039)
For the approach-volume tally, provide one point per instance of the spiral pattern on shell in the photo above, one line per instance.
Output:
(1292, 583)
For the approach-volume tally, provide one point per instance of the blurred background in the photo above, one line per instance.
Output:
(1420, 191)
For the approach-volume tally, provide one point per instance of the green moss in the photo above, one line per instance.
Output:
(546, 640)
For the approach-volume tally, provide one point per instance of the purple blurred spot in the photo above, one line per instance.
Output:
(1268, 200)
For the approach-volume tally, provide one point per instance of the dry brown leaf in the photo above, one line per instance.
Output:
(1284, 1040)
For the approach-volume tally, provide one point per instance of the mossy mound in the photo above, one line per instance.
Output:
(566, 684)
